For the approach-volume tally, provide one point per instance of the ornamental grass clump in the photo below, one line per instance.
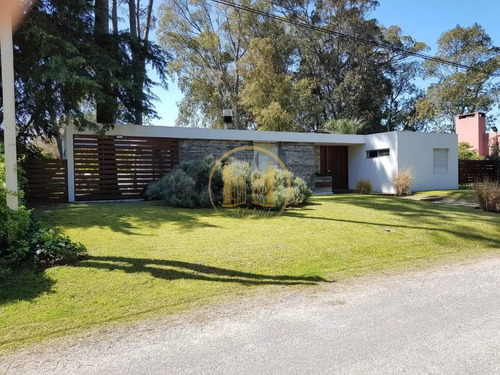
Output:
(364, 186)
(488, 195)
(402, 183)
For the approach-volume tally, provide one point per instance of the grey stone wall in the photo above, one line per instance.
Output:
(299, 158)
(193, 150)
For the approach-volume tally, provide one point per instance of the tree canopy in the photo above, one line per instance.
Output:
(458, 91)
(292, 65)
(67, 63)
(276, 75)
(467, 152)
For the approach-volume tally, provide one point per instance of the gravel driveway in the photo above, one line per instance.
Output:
(443, 320)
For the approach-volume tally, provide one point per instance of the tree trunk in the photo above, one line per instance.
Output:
(132, 11)
(135, 47)
(139, 76)
(148, 20)
(105, 113)
(106, 105)
(138, 58)
(138, 18)
(114, 16)
(59, 143)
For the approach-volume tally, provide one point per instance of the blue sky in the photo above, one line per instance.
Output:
(424, 20)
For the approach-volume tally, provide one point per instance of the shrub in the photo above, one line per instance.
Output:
(187, 185)
(241, 170)
(179, 189)
(52, 248)
(24, 242)
(13, 224)
(364, 186)
(495, 150)
(488, 195)
(300, 193)
(40, 248)
(155, 189)
(402, 183)
(467, 152)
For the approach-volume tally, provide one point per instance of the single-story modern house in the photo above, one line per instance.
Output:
(121, 163)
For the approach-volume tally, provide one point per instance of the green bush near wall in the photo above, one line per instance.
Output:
(188, 185)
(23, 242)
(13, 224)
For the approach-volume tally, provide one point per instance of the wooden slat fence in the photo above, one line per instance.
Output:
(47, 181)
(470, 171)
(114, 167)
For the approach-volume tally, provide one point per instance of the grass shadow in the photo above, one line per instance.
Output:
(126, 217)
(417, 215)
(24, 285)
(407, 208)
(464, 193)
(175, 270)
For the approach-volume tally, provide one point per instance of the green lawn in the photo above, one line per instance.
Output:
(464, 193)
(147, 259)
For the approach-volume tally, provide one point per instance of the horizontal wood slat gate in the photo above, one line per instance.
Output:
(47, 181)
(470, 171)
(113, 167)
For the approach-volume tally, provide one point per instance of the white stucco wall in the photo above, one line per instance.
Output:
(381, 170)
(408, 150)
(416, 154)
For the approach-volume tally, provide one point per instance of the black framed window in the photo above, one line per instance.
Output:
(371, 154)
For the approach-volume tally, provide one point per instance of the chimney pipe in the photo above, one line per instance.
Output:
(227, 115)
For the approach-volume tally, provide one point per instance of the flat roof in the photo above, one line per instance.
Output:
(231, 135)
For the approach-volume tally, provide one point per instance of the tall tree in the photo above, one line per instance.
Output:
(126, 86)
(141, 22)
(281, 75)
(207, 42)
(106, 101)
(399, 109)
(348, 75)
(458, 90)
(68, 63)
(53, 49)
(269, 94)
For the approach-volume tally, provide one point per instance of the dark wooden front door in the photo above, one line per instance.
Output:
(333, 162)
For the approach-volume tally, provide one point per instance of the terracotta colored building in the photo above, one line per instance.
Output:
(471, 128)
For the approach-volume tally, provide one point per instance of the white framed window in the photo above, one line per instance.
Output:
(440, 160)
